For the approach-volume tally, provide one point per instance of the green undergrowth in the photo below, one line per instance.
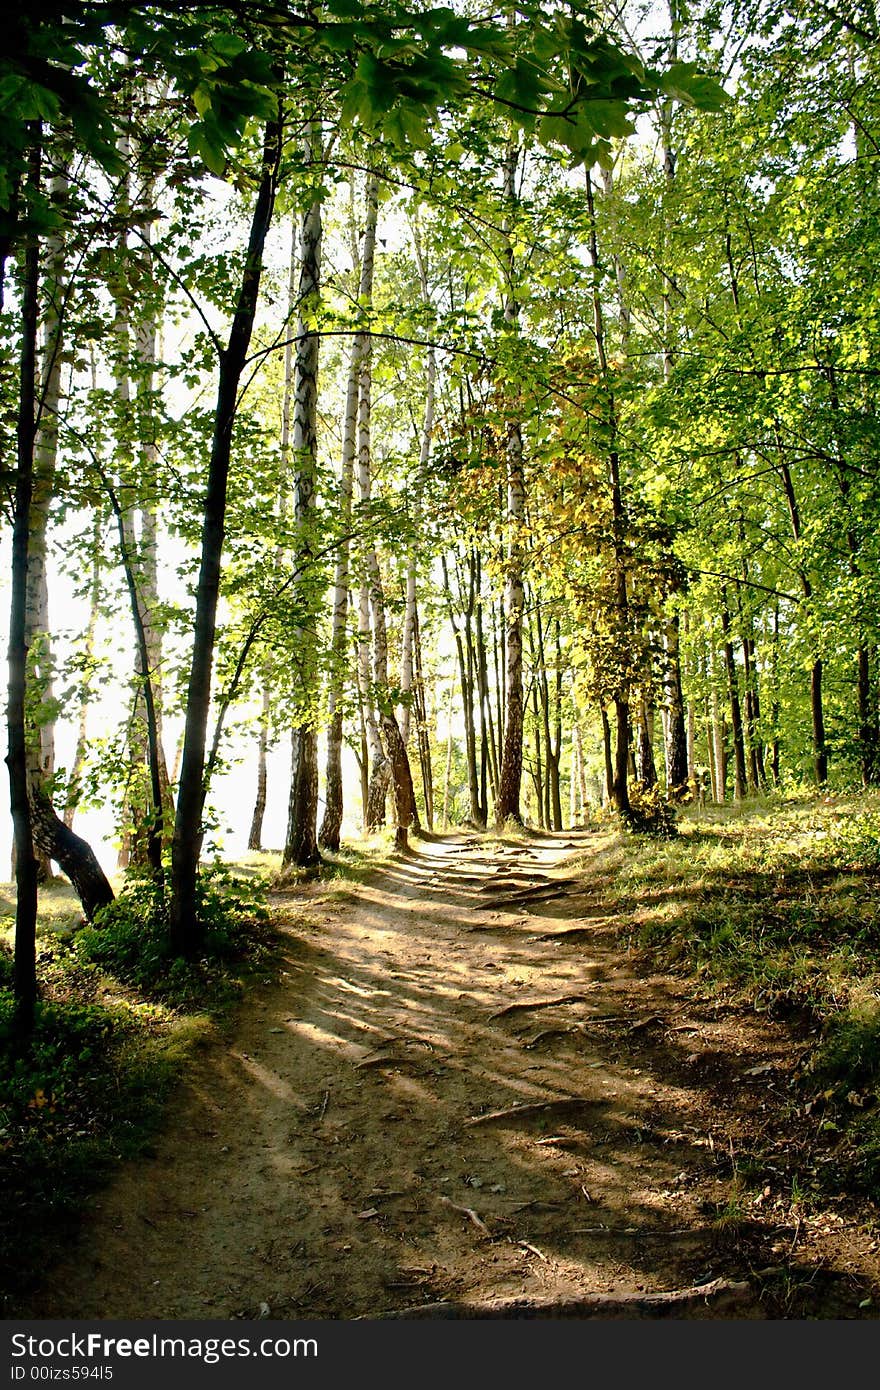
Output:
(130, 939)
(117, 1020)
(775, 905)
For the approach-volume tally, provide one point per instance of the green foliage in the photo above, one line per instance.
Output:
(650, 813)
(70, 1042)
(130, 938)
(848, 1058)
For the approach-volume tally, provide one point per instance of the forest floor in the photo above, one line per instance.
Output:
(462, 1091)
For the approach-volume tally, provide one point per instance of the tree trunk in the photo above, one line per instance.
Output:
(646, 771)
(25, 963)
(510, 777)
(448, 777)
(331, 824)
(619, 784)
(464, 652)
(186, 930)
(677, 739)
(817, 715)
(608, 756)
(868, 732)
(583, 799)
(72, 854)
(377, 766)
(422, 728)
(41, 717)
(255, 835)
(88, 652)
(739, 755)
(301, 846)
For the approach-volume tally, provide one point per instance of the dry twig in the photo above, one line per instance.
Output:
(469, 1213)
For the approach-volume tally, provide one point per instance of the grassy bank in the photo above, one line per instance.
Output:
(774, 906)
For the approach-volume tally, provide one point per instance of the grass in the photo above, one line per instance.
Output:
(774, 905)
(117, 1021)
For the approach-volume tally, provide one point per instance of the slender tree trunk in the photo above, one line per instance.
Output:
(186, 845)
(619, 783)
(719, 740)
(41, 723)
(25, 964)
(677, 740)
(464, 653)
(88, 653)
(774, 707)
(510, 777)
(868, 731)
(378, 768)
(555, 789)
(817, 713)
(301, 846)
(739, 755)
(331, 824)
(255, 835)
(448, 777)
(607, 751)
(710, 754)
(422, 728)
(537, 768)
(582, 773)
(646, 771)
(396, 761)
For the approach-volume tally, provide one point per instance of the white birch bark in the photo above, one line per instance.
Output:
(427, 430)
(508, 807)
(332, 821)
(301, 847)
(41, 734)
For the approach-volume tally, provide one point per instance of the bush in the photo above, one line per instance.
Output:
(130, 938)
(68, 1039)
(848, 1059)
(650, 813)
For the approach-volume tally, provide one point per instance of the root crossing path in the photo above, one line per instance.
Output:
(460, 1099)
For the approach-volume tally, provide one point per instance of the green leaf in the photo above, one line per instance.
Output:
(684, 82)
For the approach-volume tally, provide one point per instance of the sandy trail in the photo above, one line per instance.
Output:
(325, 1163)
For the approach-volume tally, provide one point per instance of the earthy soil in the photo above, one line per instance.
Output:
(461, 1092)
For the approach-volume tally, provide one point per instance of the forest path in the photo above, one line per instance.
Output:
(326, 1163)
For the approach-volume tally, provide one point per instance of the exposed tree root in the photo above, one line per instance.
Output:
(521, 1112)
(557, 888)
(528, 1004)
(587, 1305)
(551, 1033)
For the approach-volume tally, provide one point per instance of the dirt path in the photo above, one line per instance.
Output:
(341, 1159)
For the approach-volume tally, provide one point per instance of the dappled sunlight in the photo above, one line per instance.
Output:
(430, 1110)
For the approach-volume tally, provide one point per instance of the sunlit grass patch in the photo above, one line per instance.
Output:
(775, 905)
(774, 902)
